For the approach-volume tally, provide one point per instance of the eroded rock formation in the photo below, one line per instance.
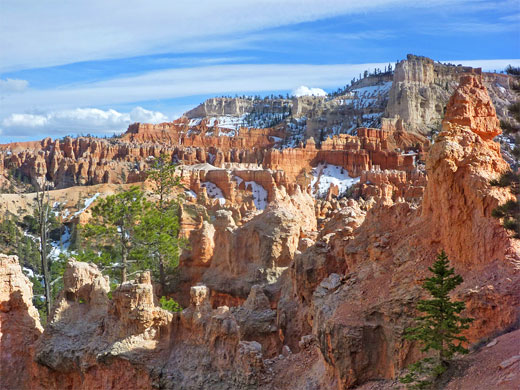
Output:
(293, 293)
(19, 326)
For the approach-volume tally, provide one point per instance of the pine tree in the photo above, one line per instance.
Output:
(440, 327)
(110, 235)
(509, 212)
(158, 232)
(159, 244)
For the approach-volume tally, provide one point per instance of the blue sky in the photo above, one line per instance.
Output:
(94, 67)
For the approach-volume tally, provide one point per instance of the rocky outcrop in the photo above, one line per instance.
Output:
(470, 106)
(460, 166)
(88, 161)
(255, 253)
(19, 326)
(358, 315)
(91, 339)
(236, 107)
(393, 185)
(421, 89)
(367, 150)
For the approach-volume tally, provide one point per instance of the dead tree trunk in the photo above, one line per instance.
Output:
(43, 219)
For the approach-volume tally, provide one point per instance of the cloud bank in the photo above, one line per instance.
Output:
(79, 120)
(8, 86)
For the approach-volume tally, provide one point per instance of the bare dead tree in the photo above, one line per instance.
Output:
(43, 209)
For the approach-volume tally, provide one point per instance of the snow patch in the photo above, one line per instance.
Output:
(214, 192)
(324, 175)
(29, 272)
(259, 194)
(61, 247)
(191, 194)
(88, 202)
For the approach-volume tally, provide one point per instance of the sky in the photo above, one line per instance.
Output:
(93, 67)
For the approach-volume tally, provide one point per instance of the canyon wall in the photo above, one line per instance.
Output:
(88, 161)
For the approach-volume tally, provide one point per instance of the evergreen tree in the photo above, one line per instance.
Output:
(163, 179)
(158, 232)
(110, 234)
(509, 211)
(440, 327)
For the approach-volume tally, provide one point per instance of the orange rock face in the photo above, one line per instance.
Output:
(393, 185)
(358, 317)
(87, 161)
(460, 166)
(470, 106)
(19, 326)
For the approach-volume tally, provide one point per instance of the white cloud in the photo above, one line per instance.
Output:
(139, 114)
(306, 91)
(25, 120)
(36, 34)
(79, 120)
(12, 85)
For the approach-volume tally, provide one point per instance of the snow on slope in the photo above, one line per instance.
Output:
(259, 194)
(324, 175)
(224, 121)
(367, 96)
(214, 192)
(88, 202)
(62, 246)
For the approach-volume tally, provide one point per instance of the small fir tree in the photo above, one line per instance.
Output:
(163, 179)
(159, 244)
(439, 328)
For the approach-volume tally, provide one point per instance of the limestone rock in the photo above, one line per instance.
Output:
(421, 89)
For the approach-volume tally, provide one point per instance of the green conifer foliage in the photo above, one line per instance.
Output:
(111, 233)
(440, 326)
(158, 232)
